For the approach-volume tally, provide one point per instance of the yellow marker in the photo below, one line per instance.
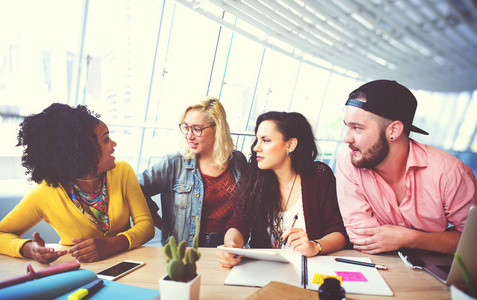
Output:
(320, 278)
(79, 294)
(90, 288)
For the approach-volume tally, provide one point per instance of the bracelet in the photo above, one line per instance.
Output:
(320, 248)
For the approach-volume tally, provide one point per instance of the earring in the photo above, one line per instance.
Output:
(391, 138)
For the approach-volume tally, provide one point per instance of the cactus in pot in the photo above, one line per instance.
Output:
(181, 262)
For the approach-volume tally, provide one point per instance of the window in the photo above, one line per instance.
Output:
(139, 64)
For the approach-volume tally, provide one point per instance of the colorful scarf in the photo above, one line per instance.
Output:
(95, 205)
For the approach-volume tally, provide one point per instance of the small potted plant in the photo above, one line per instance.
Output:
(181, 280)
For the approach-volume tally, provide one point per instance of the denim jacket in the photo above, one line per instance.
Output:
(179, 182)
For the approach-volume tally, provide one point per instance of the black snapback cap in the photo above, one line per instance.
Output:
(388, 99)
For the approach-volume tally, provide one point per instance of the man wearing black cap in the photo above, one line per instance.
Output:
(392, 191)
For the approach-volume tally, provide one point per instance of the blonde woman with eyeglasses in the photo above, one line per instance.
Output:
(200, 180)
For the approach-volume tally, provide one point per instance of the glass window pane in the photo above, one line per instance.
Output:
(235, 76)
(36, 54)
(330, 122)
(276, 83)
(467, 130)
(119, 51)
(308, 97)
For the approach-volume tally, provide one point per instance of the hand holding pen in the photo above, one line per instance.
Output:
(298, 240)
(293, 224)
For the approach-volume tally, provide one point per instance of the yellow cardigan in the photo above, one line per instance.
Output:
(54, 206)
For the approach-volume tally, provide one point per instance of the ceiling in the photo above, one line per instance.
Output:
(424, 44)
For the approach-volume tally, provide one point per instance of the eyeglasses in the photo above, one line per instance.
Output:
(196, 130)
(410, 259)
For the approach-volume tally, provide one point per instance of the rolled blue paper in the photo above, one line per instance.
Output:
(48, 287)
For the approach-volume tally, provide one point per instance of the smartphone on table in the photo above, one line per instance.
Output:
(119, 269)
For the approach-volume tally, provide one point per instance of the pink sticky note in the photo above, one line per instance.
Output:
(352, 276)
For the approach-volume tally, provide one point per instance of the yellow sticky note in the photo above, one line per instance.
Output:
(320, 278)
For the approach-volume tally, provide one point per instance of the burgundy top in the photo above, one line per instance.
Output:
(320, 208)
(219, 194)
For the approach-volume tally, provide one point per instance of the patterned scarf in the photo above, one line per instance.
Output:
(277, 233)
(95, 205)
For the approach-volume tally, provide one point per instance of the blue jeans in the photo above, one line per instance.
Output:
(211, 240)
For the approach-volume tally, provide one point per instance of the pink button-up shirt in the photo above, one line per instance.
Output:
(440, 189)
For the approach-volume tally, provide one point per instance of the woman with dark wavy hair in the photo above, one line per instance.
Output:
(285, 194)
(85, 195)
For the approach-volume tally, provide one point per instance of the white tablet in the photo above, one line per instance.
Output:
(270, 255)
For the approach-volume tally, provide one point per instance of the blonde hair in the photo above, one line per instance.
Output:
(214, 114)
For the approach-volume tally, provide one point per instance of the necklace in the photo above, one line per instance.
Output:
(291, 190)
(91, 180)
(278, 228)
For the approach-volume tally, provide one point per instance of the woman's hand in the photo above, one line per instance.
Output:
(298, 241)
(91, 250)
(228, 260)
(36, 249)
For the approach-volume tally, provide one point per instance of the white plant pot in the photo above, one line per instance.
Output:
(458, 294)
(177, 290)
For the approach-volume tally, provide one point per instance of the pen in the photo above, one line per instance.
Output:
(366, 264)
(88, 289)
(304, 268)
(293, 224)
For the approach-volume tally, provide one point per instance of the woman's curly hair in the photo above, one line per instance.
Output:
(259, 190)
(60, 144)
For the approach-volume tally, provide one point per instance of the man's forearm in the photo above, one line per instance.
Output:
(444, 242)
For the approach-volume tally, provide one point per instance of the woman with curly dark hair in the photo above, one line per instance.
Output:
(285, 195)
(85, 195)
